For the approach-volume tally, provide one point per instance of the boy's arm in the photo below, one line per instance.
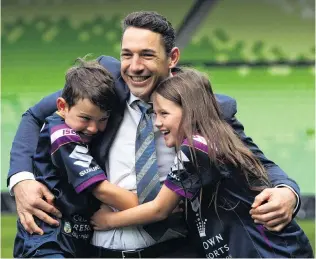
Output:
(156, 210)
(71, 155)
(115, 196)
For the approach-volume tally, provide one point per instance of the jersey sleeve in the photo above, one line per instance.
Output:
(72, 156)
(187, 176)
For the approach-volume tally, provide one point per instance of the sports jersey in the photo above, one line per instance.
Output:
(62, 162)
(219, 201)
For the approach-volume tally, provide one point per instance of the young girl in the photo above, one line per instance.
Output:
(215, 172)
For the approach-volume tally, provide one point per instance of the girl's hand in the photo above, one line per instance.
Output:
(101, 219)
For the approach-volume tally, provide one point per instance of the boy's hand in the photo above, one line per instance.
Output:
(101, 219)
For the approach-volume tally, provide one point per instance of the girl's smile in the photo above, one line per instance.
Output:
(168, 118)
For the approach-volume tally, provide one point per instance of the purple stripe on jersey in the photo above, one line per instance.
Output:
(64, 140)
(86, 184)
(177, 189)
(197, 144)
(261, 230)
(58, 127)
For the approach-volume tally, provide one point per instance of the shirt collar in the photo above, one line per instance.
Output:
(132, 99)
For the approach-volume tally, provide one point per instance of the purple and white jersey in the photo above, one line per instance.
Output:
(69, 152)
(184, 178)
(218, 210)
(63, 163)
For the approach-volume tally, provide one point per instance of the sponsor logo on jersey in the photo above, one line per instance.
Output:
(92, 169)
(80, 154)
(67, 227)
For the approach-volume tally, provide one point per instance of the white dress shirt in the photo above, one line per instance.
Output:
(120, 167)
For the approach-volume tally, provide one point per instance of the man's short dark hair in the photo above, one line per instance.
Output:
(153, 22)
(89, 79)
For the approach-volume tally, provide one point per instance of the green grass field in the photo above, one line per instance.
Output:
(8, 230)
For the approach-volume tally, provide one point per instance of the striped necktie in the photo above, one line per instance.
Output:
(148, 184)
(146, 168)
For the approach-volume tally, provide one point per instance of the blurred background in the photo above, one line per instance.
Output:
(261, 52)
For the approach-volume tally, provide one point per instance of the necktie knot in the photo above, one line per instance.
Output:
(145, 108)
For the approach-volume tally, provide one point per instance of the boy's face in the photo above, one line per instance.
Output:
(84, 117)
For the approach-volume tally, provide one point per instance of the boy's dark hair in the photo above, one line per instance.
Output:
(153, 22)
(89, 79)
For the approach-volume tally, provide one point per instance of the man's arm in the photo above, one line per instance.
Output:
(281, 203)
(29, 193)
(26, 138)
(276, 175)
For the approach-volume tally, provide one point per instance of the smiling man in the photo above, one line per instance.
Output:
(148, 55)
(145, 61)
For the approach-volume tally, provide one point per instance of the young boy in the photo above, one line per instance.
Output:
(62, 162)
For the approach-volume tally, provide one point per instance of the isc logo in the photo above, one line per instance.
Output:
(69, 132)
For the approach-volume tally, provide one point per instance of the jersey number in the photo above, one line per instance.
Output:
(80, 154)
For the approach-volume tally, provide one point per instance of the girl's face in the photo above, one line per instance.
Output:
(168, 118)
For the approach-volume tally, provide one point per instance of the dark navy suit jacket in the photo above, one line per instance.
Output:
(25, 141)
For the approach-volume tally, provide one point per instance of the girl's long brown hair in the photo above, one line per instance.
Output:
(192, 91)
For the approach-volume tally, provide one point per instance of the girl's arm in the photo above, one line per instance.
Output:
(156, 210)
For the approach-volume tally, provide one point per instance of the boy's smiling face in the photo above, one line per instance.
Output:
(86, 118)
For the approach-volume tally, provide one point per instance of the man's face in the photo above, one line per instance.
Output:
(144, 62)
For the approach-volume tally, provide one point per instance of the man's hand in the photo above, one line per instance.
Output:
(100, 219)
(29, 200)
(273, 208)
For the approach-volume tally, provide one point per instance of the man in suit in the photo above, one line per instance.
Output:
(148, 55)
